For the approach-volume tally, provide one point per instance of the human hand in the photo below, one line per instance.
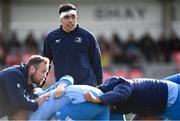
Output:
(59, 91)
(42, 98)
(46, 96)
(91, 98)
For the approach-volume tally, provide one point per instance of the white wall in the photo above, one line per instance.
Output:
(177, 9)
(42, 18)
(0, 17)
(39, 18)
(149, 20)
(176, 22)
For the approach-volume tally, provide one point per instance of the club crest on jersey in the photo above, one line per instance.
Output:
(78, 39)
(58, 40)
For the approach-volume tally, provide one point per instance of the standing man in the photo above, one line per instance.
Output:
(73, 50)
(16, 85)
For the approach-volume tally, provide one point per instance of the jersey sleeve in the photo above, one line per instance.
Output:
(46, 52)
(95, 59)
(119, 94)
(16, 94)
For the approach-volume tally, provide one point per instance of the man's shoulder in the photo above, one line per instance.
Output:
(10, 69)
(14, 72)
(82, 29)
(85, 31)
(54, 32)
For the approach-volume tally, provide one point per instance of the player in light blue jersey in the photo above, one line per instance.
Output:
(74, 94)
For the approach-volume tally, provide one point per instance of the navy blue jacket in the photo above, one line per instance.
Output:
(138, 96)
(13, 85)
(76, 53)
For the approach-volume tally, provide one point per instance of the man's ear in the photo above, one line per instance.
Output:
(32, 69)
(78, 18)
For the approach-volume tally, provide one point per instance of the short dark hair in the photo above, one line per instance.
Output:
(66, 7)
(35, 60)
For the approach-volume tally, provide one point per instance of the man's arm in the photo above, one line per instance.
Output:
(16, 94)
(95, 59)
(47, 49)
(63, 83)
(59, 87)
(109, 84)
(119, 94)
(91, 98)
(59, 91)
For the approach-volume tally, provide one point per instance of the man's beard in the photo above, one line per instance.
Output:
(33, 80)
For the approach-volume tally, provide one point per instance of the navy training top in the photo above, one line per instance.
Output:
(138, 96)
(13, 90)
(76, 53)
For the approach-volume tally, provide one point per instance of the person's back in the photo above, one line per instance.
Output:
(6, 84)
(139, 96)
(144, 97)
(148, 96)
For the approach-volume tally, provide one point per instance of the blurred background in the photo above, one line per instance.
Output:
(137, 38)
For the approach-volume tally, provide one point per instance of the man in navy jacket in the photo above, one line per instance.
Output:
(142, 96)
(16, 85)
(73, 49)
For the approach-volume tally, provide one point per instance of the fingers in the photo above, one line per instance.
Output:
(59, 91)
(91, 98)
(88, 97)
(58, 94)
(46, 96)
(40, 99)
